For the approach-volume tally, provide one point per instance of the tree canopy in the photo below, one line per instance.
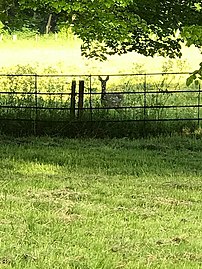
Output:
(111, 27)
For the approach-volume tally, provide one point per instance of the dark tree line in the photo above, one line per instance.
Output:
(15, 17)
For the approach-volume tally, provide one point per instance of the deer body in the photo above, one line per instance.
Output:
(109, 99)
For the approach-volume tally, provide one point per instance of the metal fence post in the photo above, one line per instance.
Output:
(145, 100)
(73, 95)
(91, 111)
(81, 97)
(199, 102)
(36, 102)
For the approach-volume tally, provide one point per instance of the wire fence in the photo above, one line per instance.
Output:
(30, 99)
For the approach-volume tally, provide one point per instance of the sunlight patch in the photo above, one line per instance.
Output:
(34, 168)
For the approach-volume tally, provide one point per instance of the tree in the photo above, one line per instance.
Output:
(111, 27)
(8, 10)
(148, 27)
(16, 17)
(193, 36)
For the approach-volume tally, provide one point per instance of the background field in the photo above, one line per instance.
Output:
(100, 203)
(63, 53)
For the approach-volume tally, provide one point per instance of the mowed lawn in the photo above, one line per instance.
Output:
(100, 203)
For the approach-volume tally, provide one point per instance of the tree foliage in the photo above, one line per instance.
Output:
(193, 36)
(16, 17)
(111, 27)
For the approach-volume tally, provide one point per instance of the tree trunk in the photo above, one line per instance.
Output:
(48, 25)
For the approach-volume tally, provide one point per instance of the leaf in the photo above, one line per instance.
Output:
(189, 81)
(196, 82)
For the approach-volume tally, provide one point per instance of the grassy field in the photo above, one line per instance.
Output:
(63, 53)
(92, 204)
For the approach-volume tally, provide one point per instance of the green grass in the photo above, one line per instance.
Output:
(64, 54)
(100, 203)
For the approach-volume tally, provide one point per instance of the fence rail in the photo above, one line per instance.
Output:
(151, 97)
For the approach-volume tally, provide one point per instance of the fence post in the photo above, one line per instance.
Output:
(15, 37)
(36, 37)
(73, 95)
(81, 95)
(36, 103)
(91, 111)
(199, 103)
(145, 101)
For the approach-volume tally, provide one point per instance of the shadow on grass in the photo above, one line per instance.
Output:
(163, 156)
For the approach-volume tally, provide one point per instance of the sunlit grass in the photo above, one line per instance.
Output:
(100, 203)
(64, 53)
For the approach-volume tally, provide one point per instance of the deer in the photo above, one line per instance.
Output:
(109, 99)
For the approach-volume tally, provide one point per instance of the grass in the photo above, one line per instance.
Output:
(100, 203)
(64, 54)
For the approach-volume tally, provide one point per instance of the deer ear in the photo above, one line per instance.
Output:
(107, 78)
(99, 77)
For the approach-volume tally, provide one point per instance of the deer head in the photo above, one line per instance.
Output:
(103, 86)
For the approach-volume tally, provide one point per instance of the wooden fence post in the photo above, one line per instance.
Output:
(73, 101)
(15, 37)
(37, 37)
(81, 95)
